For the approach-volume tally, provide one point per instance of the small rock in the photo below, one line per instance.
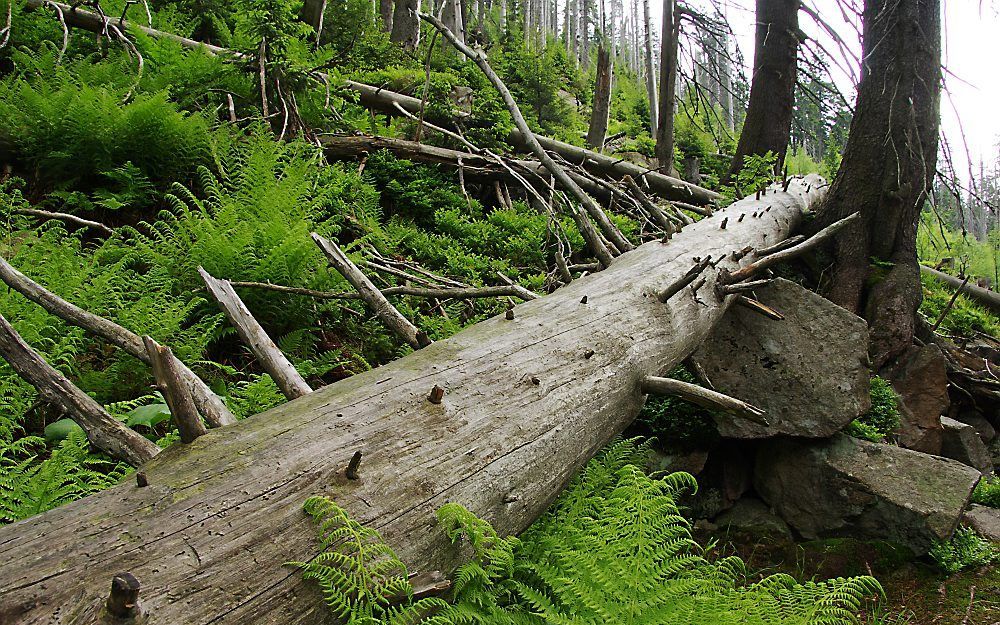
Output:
(984, 520)
(809, 373)
(920, 376)
(753, 517)
(848, 487)
(671, 462)
(961, 442)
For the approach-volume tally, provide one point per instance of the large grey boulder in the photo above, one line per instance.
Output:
(845, 486)
(753, 516)
(809, 372)
(961, 442)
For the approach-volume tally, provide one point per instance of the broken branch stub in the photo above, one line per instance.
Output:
(209, 404)
(713, 400)
(166, 371)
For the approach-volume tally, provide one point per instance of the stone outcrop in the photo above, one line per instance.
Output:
(961, 442)
(920, 376)
(984, 520)
(753, 516)
(809, 372)
(845, 486)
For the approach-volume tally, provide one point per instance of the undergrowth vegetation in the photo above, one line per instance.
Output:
(614, 548)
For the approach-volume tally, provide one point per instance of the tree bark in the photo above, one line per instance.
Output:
(598, 130)
(650, 75)
(668, 87)
(406, 24)
(768, 121)
(103, 431)
(889, 164)
(312, 13)
(385, 9)
(523, 409)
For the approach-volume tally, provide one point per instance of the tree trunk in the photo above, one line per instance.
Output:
(385, 8)
(452, 18)
(585, 34)
(668, 87)
(888, 167)
(768, 121)
(602, 98)
(406, 24)
(648, 58)
(526, 403)
(312, 13)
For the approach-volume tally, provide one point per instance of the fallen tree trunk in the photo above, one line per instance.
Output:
(385, 100)
(987, 298)
(524, 403)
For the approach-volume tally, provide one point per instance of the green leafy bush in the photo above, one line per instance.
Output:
(987, 492)
(882, 419)
(966, 549)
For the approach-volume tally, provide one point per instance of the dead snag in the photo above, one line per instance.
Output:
(669, 223)
(686, 279)
(166, 371)
(713, 400)
(385, 311)
(209, 404)
(282, 371)
(104, 431)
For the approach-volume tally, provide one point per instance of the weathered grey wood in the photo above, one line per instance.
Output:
(382, 99)
(608, 229)
(209, 404)
(776, 258)
(668, 222)
(759, 307)
(990, 299)
(703, 397)
(524, 408)
(385, 311)
(281, 370)
(73, 219)
(451, 292)
(103, 431)
(166, 372)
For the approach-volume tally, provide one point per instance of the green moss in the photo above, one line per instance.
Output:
(882, 418)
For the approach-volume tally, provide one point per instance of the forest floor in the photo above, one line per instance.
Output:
(916, 592)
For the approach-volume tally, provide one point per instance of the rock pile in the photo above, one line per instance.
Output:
(810, 373)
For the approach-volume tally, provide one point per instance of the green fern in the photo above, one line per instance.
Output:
(361, 578)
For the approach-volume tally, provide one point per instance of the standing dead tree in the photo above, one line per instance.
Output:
(209, 531)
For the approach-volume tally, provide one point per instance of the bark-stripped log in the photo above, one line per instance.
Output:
(524, 408)
(384, 100)
(209, 404)
(990, 299)
(103, 431)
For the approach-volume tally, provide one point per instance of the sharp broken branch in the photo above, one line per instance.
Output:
(281, 370)
(104, 431)
(756, 306)
(166, 371)
(713, 400)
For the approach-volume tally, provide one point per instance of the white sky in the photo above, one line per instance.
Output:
(971, 54)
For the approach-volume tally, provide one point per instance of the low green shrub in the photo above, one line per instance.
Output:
(966, 549)
(882, 418)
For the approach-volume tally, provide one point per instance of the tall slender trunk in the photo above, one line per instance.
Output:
(650, 75)
(602, 98)
(385, 11)
(312, 13)
(585, 33)
(567, 31)
(888, 167)
(405, 24)
(669, 44)
(452, 18)
(768, 122)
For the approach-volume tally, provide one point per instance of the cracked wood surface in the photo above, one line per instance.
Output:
(524, 407)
